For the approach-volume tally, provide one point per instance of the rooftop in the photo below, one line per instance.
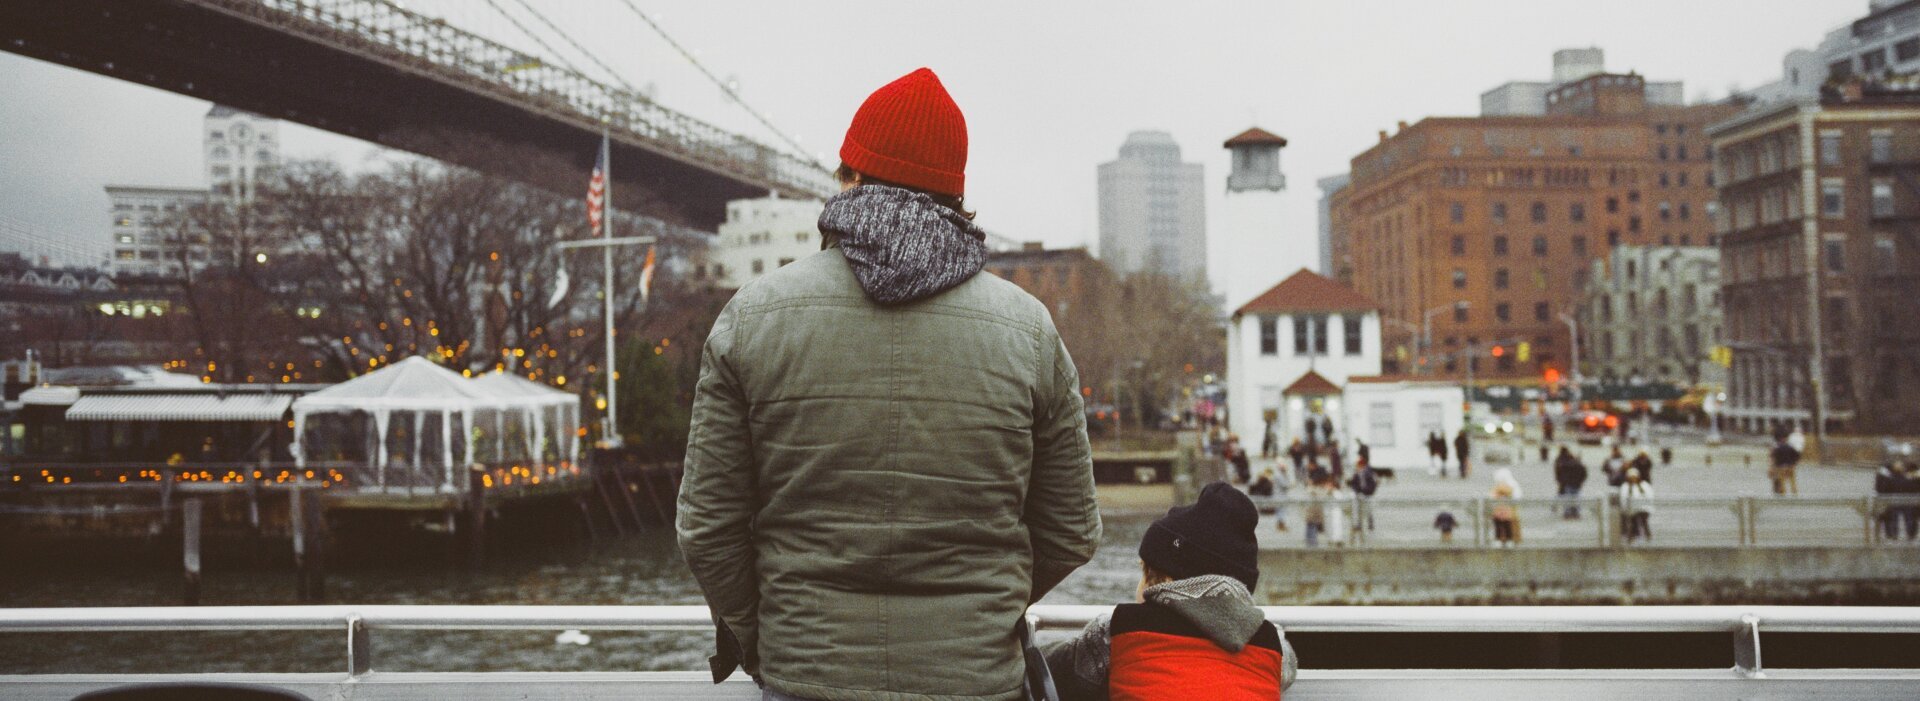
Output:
(1308, 292)
(1255, 136)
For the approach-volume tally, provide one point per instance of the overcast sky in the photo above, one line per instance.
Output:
(1050, 89)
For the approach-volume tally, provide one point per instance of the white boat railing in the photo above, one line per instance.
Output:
(358, 624)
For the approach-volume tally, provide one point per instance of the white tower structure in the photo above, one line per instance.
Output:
(242, 149)
(1254, 209)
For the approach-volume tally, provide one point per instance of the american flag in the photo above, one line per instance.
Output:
(597, 190)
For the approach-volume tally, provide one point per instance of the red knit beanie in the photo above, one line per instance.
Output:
(910, 132)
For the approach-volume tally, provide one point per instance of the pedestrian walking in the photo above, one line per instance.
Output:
(1615, 467)
(1505, 515)
(1908, 488)
(1462, 446)
(1334, 464)
(1298, 452)
(1444, 522)
(1784, 459)
(1546, 427)
(840, 399)
(1269, 444)
(1636, 506)
(1644, 464)
(1570, 475)
(1437, 450)
(1339, 528)
(1666, 456)
(1364, 483)
(1242, 466)
(1887, 484)
(1315, 518)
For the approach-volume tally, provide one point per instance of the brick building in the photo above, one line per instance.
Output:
(1506, 213)
(1821, 230)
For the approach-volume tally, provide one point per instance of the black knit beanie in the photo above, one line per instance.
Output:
(1213, 536)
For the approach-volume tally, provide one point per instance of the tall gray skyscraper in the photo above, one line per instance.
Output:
(1153, 210)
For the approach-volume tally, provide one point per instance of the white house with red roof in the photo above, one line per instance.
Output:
(1290, 353)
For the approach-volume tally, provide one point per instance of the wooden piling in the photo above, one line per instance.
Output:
(166, 497)
(626, 495)
(190, 550)
(476, 517)
(600, 485)
(296, 519)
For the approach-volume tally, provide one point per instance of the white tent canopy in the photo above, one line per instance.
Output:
(429, 400)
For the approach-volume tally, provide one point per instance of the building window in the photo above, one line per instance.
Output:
(801, 236)
(1907, 50)
(1837, 314)
(1540, 246)
(1664, 153)
(1500, 278)
(1577, 212)
(1269, 336)
(1633, 225)
(1459, 315)
(1633, 196)
(1886, 254)
(1499, 212)
(1580, 246)
(1833, 199)
(1830, 148)
(1350, 331)
(1541, 311)
(1457, 212)
(759, 266)
(1503, 312)
(1882, 198)
(1664, 179)
(1459, 246)
(1499, 245)
(1613, 205)
(1881, 146)
(784, 262)
(1872, 61)
(1459, 279)
(1309, 331)
(1539, 213)
(1680, 152)
(1686, 212)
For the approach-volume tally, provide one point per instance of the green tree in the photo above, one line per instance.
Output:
(653, 421)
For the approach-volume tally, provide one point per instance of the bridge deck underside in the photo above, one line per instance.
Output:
(208, 54)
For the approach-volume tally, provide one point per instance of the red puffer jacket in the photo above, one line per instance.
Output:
(1157, 654)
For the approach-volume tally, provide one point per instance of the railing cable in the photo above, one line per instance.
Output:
(724, 87)
(564, 36)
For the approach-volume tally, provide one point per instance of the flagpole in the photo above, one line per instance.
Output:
(612, 431)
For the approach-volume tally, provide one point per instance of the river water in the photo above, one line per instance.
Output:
(636, 570)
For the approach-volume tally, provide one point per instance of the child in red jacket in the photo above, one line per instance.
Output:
(1195, 633)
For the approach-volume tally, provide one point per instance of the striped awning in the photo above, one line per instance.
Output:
(180, 407)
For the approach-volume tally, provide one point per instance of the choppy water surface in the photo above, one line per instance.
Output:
(637, 570)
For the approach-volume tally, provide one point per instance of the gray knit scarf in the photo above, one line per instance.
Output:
(902, 245)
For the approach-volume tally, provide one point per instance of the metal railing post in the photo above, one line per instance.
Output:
(359, 646)
(1867, 514)
(1605, 516)
(1742, 521)
(1480, 522)
(1746, 648)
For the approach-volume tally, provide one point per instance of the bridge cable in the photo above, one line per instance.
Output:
(562, 58)
(577, 47)
(730, 92)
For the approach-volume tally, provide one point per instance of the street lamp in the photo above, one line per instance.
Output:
(1426, 323)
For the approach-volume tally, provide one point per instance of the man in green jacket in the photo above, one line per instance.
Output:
(888, 460)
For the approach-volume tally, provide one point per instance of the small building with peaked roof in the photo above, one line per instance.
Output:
(1290, 352)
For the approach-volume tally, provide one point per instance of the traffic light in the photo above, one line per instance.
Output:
(1552, 376)
(1524, 351)
(1499, 351)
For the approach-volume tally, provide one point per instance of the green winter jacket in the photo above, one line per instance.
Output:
(874, 494)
